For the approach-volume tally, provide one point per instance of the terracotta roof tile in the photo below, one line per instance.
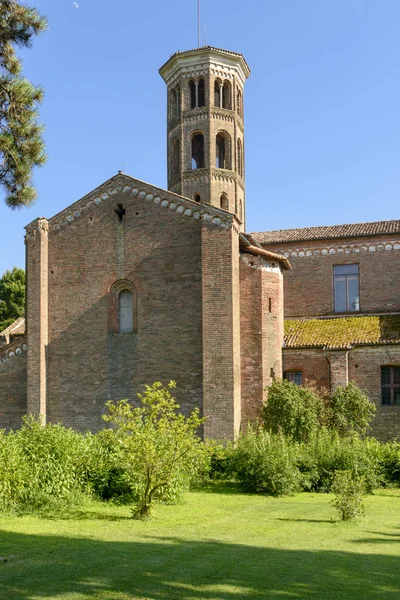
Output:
(342, 332)
(16, 328)
(328, 232)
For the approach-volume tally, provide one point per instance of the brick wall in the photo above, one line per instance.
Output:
(221, 333)
(261, 306)
(308, 287)
(365, 370)
(310, 361)
(13, 392)
(159, 251)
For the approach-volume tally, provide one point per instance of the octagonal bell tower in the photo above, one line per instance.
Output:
(206, 127)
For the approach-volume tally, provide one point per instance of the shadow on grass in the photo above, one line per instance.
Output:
(306, 520)
(175, 568)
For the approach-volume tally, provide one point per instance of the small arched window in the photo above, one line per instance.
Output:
(175, 159)
(201, 93)
(198, 151)
(224, 202)
(217, 93)
(178, 101)
(220, 152)
(192, 93)
(239, 103)
(122, 307)
(240, 211)
(227, 95)
(125, 311)
(173, 100)
(196, 197)
(239, 158)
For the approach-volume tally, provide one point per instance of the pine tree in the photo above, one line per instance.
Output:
(12, 296)
(21, 142)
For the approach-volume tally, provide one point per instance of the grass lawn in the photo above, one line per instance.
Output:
(217, 545)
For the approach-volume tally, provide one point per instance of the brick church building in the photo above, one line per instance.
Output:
(132, 284)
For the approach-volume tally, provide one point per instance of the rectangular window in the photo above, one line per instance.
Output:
(390, 385)
(294, 376)
(346, 288)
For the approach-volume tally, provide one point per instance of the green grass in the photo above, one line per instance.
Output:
(217, 545)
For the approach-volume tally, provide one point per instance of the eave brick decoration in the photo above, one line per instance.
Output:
(328, 232)
(342, 332)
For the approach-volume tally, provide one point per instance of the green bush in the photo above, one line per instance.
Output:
(351, 410)
(349, 492)
(293, 410)
(160, 448)
(389, 463)
(326, 453)
(40, 466)
(265, 463)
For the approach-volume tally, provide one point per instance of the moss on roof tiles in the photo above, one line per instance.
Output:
(342, 332)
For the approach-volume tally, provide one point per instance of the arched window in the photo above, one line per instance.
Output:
(201, 93)
(125, 311)
(175, 159)
(192, 92)
(239, 158)
(223, 150)
(173, 101)
(227, 95)
(240, 211)
(196, 197)
(220, 152)
(198, 151)
(224, 202)
(239, 103)
(217, 93)
(178, 101)
(122, 307)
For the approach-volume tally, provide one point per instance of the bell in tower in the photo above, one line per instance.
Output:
(206, 127)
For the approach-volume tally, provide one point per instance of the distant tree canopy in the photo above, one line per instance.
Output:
(21, 141)
(12, 296)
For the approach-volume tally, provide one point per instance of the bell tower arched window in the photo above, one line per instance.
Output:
(192, 92)
(224, 202)
(198, 151)
(201, 93)
(223, 150)
(239, 103)
(175, 159)
(217, 93)
(122, 307)
(239, 158)
(227, 95)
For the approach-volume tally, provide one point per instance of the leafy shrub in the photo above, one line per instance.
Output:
(40, 466)
(350, 492)
(160, 448)
(389, 463)
(295, 411)
(265, 463)
(327, 453)
(351, 410)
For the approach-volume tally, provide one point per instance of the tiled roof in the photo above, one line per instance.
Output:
(16, 328)
(328, 232)
(342, 332)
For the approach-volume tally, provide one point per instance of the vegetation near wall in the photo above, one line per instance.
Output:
(152, 453)
(12, 296)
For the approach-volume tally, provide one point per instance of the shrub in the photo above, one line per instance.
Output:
(326, 453)
(160, 448)
(265, 463)
(350, 492)
(296, 411)
(40, 465)
(351, 410)
(389, 463)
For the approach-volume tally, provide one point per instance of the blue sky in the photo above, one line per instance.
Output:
(321, 105)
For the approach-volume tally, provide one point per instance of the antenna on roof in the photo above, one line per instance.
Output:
(198, 23)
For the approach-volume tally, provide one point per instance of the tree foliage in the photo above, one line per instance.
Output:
(12, 296)
(351, 409)
(21, 142)
(160, 448)
(300, 412)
